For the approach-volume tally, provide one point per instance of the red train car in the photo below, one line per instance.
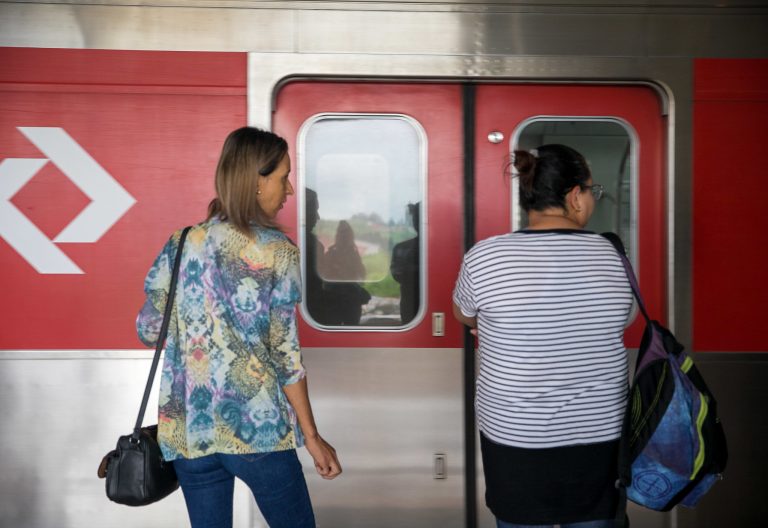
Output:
(400, 118)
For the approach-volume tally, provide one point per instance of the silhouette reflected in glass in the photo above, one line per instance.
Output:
(343, 268)
(405, 269)
(315, 259)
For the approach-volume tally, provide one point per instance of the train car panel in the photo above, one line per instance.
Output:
(469, 29)
(731, 109)
(385, 162)
(102, 146)
(90, 121)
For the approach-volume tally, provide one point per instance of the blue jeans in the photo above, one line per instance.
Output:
(605, 523)
(276, 480)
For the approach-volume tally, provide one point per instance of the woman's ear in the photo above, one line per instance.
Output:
(573, 200)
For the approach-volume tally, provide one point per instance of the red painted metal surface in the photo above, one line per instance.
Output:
(729, 221)
(155, 121)
(504, 107)
(438, 109)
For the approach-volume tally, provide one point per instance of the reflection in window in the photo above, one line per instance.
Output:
(607, 147)
(363, 186)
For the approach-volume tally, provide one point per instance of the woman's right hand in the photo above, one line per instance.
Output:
(324, 455)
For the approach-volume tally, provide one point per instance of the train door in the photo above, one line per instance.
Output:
(383, 172)
(379, 184)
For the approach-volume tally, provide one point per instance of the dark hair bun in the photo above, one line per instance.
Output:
(525, 165)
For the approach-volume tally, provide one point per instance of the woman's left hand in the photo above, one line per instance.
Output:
(326, 462)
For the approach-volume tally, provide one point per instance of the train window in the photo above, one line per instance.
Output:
(362, 179)
(609, 146)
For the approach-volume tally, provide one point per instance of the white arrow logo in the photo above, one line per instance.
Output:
(109, 200)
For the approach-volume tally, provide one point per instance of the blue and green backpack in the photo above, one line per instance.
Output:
(672, 447)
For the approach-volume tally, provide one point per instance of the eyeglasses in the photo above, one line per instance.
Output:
(596, 189)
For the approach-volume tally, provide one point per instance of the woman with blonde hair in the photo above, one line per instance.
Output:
(233, 392)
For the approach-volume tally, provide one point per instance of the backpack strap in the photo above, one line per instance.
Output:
(614, 239)
(622, 519)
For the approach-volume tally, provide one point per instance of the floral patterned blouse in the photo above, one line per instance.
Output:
(232, 342)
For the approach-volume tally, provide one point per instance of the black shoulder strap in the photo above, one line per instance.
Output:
(163, 333)
(614, 239)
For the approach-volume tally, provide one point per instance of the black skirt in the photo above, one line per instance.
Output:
(550, 486)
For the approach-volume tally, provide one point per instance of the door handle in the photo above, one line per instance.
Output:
(438, 324)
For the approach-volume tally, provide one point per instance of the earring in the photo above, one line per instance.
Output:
(258, 191)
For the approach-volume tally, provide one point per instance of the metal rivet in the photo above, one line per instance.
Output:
(495, 137)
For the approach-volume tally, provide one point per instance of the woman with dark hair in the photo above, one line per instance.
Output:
(233, 392)
(404, 268)
(550, 303)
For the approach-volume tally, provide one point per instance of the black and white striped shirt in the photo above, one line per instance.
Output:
(551, 308)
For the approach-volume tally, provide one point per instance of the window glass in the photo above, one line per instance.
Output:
(608, 148)
(362, 180)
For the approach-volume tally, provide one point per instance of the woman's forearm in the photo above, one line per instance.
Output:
(298, 397)
(322, 453)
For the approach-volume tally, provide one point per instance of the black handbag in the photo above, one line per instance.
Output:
(135, 470)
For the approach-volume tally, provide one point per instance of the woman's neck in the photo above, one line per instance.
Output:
(551, 219)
